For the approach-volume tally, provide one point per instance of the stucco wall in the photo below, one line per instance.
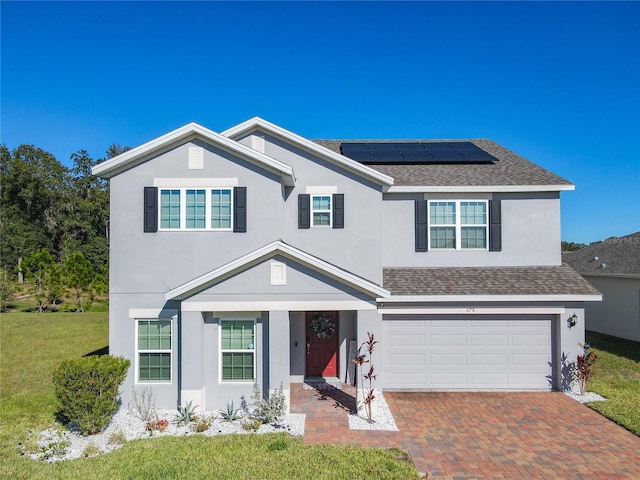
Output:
(619, 312)
(530, 232)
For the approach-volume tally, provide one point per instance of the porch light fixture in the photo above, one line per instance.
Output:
(572, 320)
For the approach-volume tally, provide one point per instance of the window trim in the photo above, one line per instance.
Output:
(329, 210)
(458, 224)
(183, 209)
(139, 351)
(222, 351)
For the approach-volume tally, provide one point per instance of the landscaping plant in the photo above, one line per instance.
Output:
(584, 363)
(186, 414)
(229, 414)
(87, 389)
(369, 376)
(270, 409)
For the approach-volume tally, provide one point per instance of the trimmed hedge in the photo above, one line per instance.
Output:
(87, 389)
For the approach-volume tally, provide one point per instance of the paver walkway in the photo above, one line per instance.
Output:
(466, 435)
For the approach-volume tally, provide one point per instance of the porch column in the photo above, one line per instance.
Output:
(279, 359)
(190, 363)
(371, 321)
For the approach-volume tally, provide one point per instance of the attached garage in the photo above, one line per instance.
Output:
(479, 352)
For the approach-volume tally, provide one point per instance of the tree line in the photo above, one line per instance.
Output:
(54, 225)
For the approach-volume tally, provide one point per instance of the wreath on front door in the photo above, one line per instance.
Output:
(322, 326)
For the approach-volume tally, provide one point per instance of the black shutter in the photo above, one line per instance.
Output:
(304, 210)
(338, 210)
(240, 209)
(422, 237)
(495, 226)
(150, 209)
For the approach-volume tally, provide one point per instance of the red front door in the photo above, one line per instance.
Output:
(322, 344)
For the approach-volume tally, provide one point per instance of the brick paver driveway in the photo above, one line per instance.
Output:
(485, 435)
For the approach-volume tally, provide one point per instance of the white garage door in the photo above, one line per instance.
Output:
(425, 352)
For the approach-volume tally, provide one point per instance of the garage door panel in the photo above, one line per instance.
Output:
(490, 359)
(448, 339)
(488, 379)
(476, 353)
(448, 379)
(407, 340)
(489, 340)
(448, 359)
(529, 359)
(538, 340)
(408, 359)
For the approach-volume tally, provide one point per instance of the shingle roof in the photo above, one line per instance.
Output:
(621, 256)
(511, 169)
(561, 280)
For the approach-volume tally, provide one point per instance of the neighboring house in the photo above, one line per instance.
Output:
(613, 267)
(258, 255)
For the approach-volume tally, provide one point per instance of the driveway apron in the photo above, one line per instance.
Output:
(467, 435)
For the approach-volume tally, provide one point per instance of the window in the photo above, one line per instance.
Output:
(170, 209)
(237, 349)
(321, 210)
(458, 224)
(220, 209)
(196, 209)
(154, 351)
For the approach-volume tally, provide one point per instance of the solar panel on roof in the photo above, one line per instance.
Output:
(416, 152)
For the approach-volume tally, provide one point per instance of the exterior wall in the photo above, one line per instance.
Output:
(355, 248)
(530, 232)
(619, 312)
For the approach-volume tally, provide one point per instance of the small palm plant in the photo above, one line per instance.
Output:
(229, 413)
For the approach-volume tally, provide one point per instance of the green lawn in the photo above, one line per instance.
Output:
(617, 377)
(32, 344)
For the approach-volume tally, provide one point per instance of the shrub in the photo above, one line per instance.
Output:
(202, 423)
(87, 389)
(229, 414)
(268, 410)
(583, 372)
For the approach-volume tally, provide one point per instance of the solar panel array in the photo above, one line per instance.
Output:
(415, 152)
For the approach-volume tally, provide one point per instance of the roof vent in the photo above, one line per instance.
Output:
(595, 259)
(603, 265)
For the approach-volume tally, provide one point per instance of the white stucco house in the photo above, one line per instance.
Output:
(257, 255)
(613, 267)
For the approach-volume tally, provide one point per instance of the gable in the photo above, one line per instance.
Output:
(189, 133)
(307, 269)
(251, 131)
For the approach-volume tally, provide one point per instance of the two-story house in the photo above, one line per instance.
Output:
(256, 255)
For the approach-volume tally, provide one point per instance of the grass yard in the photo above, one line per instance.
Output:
(617, 377)
(32, 344)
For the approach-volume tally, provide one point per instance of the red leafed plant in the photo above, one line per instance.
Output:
(369, 376)
(584, 363)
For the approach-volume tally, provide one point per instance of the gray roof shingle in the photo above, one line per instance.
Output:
(621, 255)
(560, 280)
(511, 169)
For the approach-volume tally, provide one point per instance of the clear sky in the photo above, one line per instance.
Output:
(558, 83)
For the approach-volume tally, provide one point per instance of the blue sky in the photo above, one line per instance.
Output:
(558, 83)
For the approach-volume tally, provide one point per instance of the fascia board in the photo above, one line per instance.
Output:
(479, 188)
(195, 130)
(288, 251)
(612, 275)
(491, 298)
(309, 146)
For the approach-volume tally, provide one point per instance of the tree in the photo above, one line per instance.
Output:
(571, 246)
(41, 269)
(6, 290)
(78, 275)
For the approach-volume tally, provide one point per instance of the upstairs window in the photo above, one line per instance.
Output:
(458, 224)
(196, 209)
(321, 210)
(170, 209)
